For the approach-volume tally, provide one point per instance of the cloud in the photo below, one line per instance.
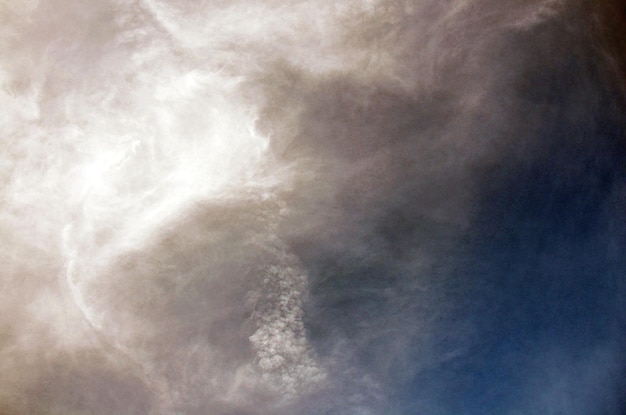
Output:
(304, 207)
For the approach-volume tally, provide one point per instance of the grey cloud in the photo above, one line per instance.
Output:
(302, 207)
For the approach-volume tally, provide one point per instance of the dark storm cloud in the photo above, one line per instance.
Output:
(301, 208)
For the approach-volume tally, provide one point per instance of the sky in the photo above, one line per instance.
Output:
(285, 207)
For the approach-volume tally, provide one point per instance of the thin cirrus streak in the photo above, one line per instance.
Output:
(304, 207)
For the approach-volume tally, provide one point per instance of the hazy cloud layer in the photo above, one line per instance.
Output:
(287, 207)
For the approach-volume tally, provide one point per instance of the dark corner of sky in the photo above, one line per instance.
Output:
(541, 272)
